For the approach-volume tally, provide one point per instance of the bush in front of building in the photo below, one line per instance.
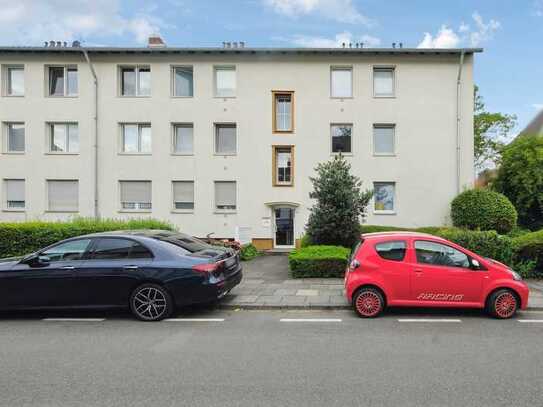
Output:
(340, 204)
(529, 247)
(482, 209)
(520, 178)
(20, 238)
(318, 261)
(432, 230)
(248, 252)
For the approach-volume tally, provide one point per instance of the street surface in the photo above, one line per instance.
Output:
(271, 358)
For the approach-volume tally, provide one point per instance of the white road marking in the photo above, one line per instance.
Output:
(310, 320)
(73, 319)
(429, 320)
(194, 319)
(534, 321)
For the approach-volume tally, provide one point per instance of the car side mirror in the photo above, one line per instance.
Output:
(475, 265)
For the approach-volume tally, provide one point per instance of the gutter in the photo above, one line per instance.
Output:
(95, 143)
(458, 132)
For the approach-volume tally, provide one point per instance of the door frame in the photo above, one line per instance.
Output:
(274, 226)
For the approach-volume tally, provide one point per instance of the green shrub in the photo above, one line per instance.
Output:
(482, 209)
(318, 261)
(529, 247)
(432, 230)
(248, 252)
(17, 239)
(305, 241)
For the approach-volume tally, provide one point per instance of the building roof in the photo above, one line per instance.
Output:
(241, 51)
(535, 127)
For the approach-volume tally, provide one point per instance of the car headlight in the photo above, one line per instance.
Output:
(516, 276)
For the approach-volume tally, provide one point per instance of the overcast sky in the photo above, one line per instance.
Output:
(509, 72)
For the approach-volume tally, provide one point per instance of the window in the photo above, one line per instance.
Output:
(63, 195)
(383, 82)
(391, 250)
(283, 108)
(341, 138)
(136, 81)
(225, 81)
(15, 194)
(14, 81)
(136, 195)
(183, 81)
(64, 138)
(341, 82)
(15, 138)
(63, 81)
(440, 255)
(183, 195)
(225, 139)
(384, 139)
(136, 138)
(183, 138)
(225, 195)
(283, 165)
(384, 198)
(119, 249)
(68, 251)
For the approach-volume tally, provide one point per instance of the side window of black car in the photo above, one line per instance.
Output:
(68, 251)
(394, 250)
(118, 249)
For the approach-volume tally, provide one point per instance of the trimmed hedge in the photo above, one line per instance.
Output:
(248, 252)
(482, 209)
(318, 261)
(20, 238)
(529, 247)
(380, 228)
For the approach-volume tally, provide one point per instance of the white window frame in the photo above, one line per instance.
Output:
(394, 142)
(138, 207)
(225, 210)
(6, 80)
(137, 69)
(395, 199)
(217, 68)
(340, 68)
(50, 134)
(332, 125)
(65, 93)
(5, 132)
(175, 126)
(181, 210)
(394, 76)
(5, 201)
(47, 181)
(122, 143)
(173, 68)
(216, 134)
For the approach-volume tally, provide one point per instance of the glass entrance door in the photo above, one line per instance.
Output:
(284, 227)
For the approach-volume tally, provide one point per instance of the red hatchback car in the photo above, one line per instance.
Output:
(420, 270)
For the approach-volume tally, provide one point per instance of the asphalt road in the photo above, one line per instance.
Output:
(257, 358)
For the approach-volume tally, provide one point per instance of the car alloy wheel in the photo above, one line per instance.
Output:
(150, 302)
(368, 302)
(505, 305)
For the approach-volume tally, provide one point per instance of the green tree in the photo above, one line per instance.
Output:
(340, 204)
(520, 178)
(489, 130)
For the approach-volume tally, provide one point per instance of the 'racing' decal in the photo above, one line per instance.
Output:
(440, 297)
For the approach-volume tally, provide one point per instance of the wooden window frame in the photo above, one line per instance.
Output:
(276, 93)
(275, 183)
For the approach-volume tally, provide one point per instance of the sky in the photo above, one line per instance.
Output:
(509, 72)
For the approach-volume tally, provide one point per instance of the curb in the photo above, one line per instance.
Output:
(306, 307)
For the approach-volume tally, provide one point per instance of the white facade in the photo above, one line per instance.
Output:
(421, 113)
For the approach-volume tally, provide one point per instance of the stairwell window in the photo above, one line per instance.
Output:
(136, 196)
(225, 196)
(225, 81)
(136, 138)
(63, 138)
(135, 80)
(283, 111)
(14, 190)
(341, 82)
(62, 195)
(63, 81)
(14, 80)
(384, 82)
(15, 138)
(283, 163)
(183, 195)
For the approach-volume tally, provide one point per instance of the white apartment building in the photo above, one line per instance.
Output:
(224, 140)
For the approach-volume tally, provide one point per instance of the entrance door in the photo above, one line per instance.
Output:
(284, 227)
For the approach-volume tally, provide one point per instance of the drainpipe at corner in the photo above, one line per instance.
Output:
(458, 121)
(95, 141)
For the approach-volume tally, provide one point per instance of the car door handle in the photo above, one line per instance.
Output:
(68, 267)
(418, 271)
(130, 267)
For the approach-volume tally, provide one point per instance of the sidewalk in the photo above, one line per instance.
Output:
(267, 285)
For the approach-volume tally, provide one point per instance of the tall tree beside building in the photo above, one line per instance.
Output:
(340, 204)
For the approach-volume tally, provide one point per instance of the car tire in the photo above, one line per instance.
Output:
(502, 304)
(368, 302)
(151, 302)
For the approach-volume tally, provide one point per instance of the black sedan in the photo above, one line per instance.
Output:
(150, 272)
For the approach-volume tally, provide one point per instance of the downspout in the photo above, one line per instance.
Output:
(95, 141)
(458, 109)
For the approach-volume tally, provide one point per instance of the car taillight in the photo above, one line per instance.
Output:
(206, 268)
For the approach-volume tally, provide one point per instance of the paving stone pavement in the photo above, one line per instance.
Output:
(266, 284)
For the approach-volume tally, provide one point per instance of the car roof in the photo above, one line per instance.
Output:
(400, 235)
(131, 233)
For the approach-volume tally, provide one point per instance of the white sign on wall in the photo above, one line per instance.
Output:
(243, 234)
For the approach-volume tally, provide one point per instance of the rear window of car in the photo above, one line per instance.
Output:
(393, 250)
(186, 242)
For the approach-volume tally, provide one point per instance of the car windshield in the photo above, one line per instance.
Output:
(189, 243)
